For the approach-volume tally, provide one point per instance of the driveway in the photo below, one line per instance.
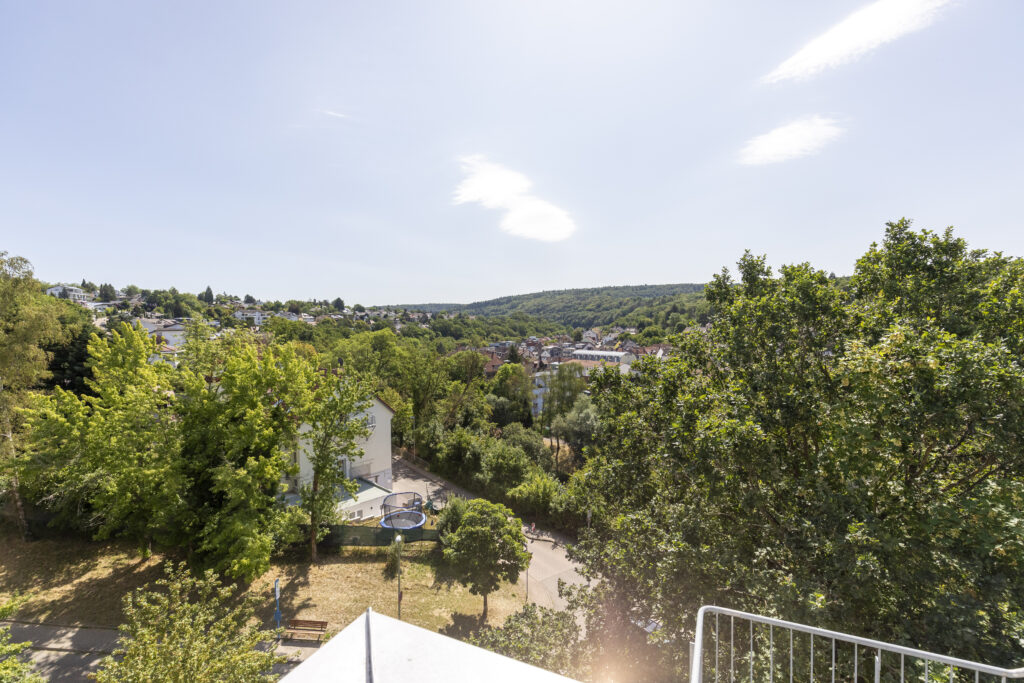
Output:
(549, 562)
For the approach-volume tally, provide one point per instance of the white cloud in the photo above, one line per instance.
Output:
(496, 187)
(797, 139)
(866, 29)
(335, 114)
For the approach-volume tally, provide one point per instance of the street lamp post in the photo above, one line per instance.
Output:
(398, 541)
(526, 547)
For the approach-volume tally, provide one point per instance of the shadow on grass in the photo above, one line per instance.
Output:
(73, 581)
(463, 625)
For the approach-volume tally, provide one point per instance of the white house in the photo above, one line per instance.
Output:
(606, 356)
(372, 471)
(252, 316)
(68, 292)
(540, 389)
(171, 331)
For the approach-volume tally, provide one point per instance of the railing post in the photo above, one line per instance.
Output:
(698, 648)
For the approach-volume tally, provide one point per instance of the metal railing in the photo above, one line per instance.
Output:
(770, 650)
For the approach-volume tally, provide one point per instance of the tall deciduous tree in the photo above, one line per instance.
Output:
(240, 411)
(486, 548)
(511, 386)
(117, 452)
(336, 419)
(848, 458)
(28, 322)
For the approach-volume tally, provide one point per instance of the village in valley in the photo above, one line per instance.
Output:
(568, 342)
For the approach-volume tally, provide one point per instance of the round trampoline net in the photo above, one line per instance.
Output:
(402, 511)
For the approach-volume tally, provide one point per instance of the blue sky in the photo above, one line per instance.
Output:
(406, 152)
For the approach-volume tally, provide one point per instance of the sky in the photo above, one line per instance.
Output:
(454, 151)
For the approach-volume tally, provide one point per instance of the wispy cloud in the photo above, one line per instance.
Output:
(335, 114)
(496, 187)
(866, 29)
(797, 139)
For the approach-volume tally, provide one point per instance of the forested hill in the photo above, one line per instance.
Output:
(587, 307)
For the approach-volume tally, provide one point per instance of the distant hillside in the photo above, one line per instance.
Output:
(589, 307)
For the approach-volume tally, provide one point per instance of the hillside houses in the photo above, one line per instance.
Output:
(71, 292)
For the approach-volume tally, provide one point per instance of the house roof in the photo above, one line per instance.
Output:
(385, 404)
(378, 648)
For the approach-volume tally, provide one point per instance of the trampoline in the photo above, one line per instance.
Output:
(402, 511)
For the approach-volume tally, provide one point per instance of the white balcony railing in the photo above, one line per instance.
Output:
(733, 646)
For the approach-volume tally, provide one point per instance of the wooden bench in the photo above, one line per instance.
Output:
(306, 629)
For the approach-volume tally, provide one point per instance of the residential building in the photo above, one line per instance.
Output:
(540, 381)
(606, 356)
(372, 471)
(252, 316)
(68, 292)
(167, 331)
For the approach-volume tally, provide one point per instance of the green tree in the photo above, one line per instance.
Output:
(14, 666)
(564, 385)
(207, 295)
(423, 381)
(849, 461)
(249, 300)
(541, 636)
(513, 354)
(486, 548)
(28, 322)
(240, 413)
(578, 427)
(335, 418)
(338, 304)
(117, 450)
(69, 355)
(530, 442)
(190, 629)
(511, 384)
(107, 292)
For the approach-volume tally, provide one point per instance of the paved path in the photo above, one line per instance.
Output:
(549, 562)
(69, 653)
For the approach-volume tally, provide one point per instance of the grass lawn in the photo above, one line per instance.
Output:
(345, 583)
(80, 582)
(71, 581)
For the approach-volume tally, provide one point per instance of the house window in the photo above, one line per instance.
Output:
(371, 422)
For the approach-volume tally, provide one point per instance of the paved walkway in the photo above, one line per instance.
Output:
(549, 562)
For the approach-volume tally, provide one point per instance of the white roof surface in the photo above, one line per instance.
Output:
(402, 652)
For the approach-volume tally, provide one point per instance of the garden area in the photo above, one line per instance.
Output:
(81, 583)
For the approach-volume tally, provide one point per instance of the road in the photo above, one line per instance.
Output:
(549, 562)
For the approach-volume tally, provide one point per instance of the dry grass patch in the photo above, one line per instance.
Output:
(72, 581)
(81, 583)
(346, 582)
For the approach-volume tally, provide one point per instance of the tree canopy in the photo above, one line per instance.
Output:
(486, 548)
(849, 456)
(190, 629)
